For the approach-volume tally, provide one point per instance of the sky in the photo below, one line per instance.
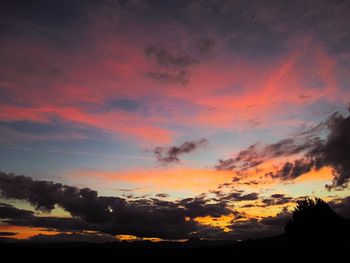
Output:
(170, 120)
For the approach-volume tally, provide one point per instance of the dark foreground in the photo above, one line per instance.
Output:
(266, 249)
(203, 246)
(140, 246)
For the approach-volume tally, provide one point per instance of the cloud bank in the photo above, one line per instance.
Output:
(317, 151)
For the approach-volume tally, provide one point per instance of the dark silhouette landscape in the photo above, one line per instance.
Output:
(313, 225)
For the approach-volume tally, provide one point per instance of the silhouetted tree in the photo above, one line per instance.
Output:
(314, 223)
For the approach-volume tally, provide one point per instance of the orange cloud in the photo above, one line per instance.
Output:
(23, 232)
(152, 239)
(222, 222)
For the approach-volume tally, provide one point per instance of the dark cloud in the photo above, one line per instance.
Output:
(110, 215)
(235, 196)
(291, 170)
(170, 59)
(175, 64)
(226, 165)
(246, 197)
(199, 207)
(62, 224)
(162, 195)
(258, 228)
(172, 154)
(20, 217)
(256, 154)
(104, 217)
(253, 228)
(335, 150)
(7, 234)
(332, 151)
(279, 220)
(341, 206)
(326, 144)
(205, 45)
(74, 237)
(8, 211)
(277, 199)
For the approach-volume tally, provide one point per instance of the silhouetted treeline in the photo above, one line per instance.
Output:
(314, 223)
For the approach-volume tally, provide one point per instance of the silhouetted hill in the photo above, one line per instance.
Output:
(197, 249)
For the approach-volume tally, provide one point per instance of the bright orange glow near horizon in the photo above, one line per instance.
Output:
(22, 232)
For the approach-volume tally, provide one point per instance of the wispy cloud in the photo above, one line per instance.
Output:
(167, 155)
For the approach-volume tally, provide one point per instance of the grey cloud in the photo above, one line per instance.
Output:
(62, 224)
(277, 199)
(170, 59)
(317, 150)
(246, 197)
(279, 220)
(256, 154)
(291, 170)
(162, 195)
(235, 196)
(332, 151)
(226, 165)
(199, 207)
(8, 211)
(175, 63)
(172, 154)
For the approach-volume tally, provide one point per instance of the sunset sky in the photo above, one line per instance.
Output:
(168, 120)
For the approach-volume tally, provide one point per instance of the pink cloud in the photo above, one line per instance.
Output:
(223, 92)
